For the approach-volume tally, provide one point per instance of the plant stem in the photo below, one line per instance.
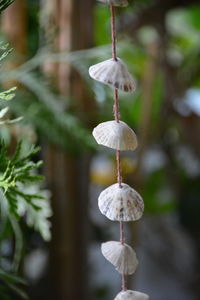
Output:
(117, 119)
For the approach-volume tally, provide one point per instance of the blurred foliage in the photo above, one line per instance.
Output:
(4, 4)
(21, 199)
(47, 110)
(11, 282)
(8, 94)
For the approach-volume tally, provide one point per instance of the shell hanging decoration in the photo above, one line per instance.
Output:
(121, 256)
(121, 204)
(113, 73)
(121, 3)
(118, 202)
(118, 136)
(131, 295)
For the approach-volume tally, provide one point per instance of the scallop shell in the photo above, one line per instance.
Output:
(121, 256)
(113, 73)
(115, 135)
(121, 203)
(122, 3)
(131, 295)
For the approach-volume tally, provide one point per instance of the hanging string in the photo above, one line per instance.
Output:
(113, 30)
(116, 95)
(119, 171)
(117, 119)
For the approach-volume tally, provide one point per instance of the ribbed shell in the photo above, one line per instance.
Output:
(121, 256)
(121, 3)
(113, 73)
(131, 295)
(118, 136)
(121, 204)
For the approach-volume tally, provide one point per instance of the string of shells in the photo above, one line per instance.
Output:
(118, 202)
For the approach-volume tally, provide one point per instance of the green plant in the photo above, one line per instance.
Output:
(21, 199)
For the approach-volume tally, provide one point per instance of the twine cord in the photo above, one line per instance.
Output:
(116, 105)
(113, 30)
(117, 119)
(122, 237)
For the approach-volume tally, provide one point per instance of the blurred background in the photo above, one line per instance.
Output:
(54, 42)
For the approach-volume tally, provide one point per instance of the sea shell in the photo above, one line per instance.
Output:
(113, 73)
(121, 203)
(131, 295)
(121, 256)
(115, 135)
(122, 3)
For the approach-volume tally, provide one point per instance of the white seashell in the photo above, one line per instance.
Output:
(118, 136)
(113, 73)
(121, 256)
(122, 3)
(131, 295)
(121, 204)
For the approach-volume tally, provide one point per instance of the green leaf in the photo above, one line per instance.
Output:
(8, 95)
(9, 122)
(12, 278)
(4, 4)
(3, 112)
(18, 291)
(5, 50)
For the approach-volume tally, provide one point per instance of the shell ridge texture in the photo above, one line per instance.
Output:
(122, 256)
(113, 73)
(121, 204)
(115, 135)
